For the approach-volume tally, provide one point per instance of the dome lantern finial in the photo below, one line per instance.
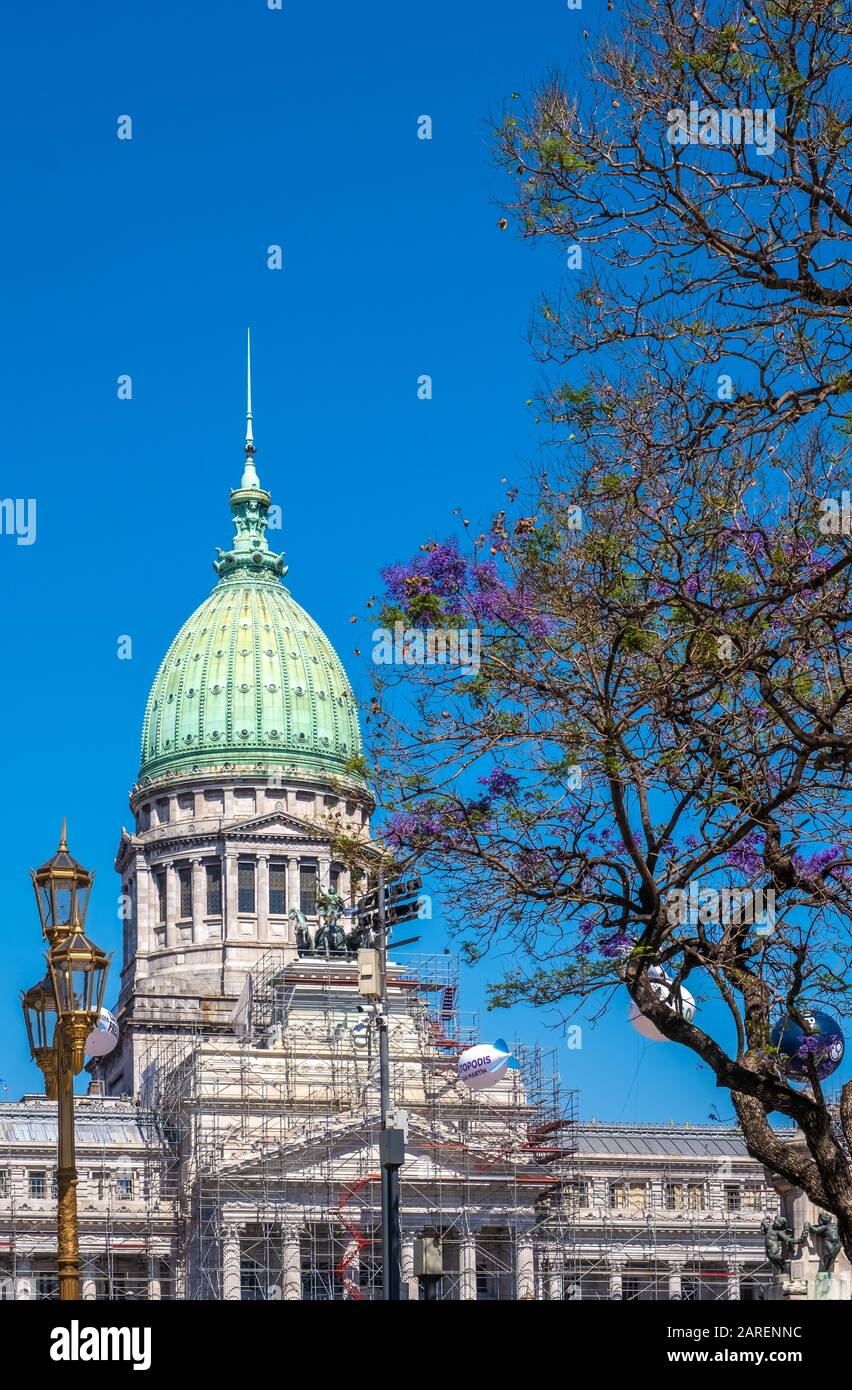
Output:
(249, 478)
(250, 506)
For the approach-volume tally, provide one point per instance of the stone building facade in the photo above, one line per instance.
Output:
(229, 1147)
(249, 782)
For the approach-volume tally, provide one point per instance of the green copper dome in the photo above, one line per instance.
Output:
(250, 682)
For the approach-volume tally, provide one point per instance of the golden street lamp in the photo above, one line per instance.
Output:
(62, 888)
(60, 1012)
(39, 1005)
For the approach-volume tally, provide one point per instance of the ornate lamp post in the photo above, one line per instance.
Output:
(60, 1012)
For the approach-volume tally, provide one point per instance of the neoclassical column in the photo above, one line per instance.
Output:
(23, 1279)
(262, 899)
(171, 904)
(324, 876)
(676, 1279)
(229, 896)
(734, 1272)
(199, 905)
(616, 1271)
(154, 1291)
(352, 1272)
(144, 900)
(293, 888)
(715, 1195)
(180, 1278)
(554, 1279)
(407, 1267)
(231, 1278)
(524, 1266)
(291, 1262)
(467, 1268)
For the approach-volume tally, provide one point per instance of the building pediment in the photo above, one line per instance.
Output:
(194, 835)
(430, 1157)
(279, 821)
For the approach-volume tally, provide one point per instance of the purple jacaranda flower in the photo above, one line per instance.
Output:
(499, 782)
(439, 570)
(748, 853)
(403, 827)
(616, 946)
(814, 864)
(497, 602)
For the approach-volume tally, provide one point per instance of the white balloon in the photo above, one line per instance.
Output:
(103, 1038)
(485, 1064)
(649, 1030)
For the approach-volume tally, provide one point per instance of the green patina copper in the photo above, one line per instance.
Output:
(250, 683)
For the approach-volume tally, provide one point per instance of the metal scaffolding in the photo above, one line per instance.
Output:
(271, 1144)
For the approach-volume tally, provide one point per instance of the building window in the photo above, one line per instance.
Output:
(186, 806)
(4, 1182)
(578, 1190)
(214, 889)
(160, 883)
(673, 1196)
(38, 1182)
(752, 1195)
(251, 1288)
(184, 878)
(96, 1178)
(121, 1287)
(733, 1197)
(277, 889)
(308, 889)
(628, 1196)
(695, 1196)
(334, 880)
(163, 811)
(631, 1288)
(245, 886)
(124, 1187)
(47, 1286)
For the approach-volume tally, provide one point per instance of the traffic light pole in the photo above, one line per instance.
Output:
(391, 1140)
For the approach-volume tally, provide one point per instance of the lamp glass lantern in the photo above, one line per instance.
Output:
(62, 888)
(78, 970)
(39, 1005)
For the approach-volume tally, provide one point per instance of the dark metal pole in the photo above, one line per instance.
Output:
(68, 1241)
(391, 1237)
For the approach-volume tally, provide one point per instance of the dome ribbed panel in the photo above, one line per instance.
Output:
(249, 681)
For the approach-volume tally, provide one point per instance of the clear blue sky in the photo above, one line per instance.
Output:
(251, 127)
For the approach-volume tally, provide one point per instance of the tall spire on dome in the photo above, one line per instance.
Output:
(250, 506)
(249, 478)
